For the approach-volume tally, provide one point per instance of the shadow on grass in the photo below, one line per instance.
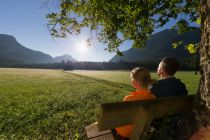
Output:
(110, 83)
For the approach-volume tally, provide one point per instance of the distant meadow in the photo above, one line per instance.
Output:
(123, 77)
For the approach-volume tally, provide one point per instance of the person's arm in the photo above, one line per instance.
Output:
(185, 91)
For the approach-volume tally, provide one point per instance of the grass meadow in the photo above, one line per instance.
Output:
(53, 104)
(122, 77)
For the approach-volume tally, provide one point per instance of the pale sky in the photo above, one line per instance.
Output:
(25, 20)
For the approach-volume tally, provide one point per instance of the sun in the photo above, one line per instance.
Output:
(82, 47)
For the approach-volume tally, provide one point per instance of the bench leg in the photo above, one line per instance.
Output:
(143, 121)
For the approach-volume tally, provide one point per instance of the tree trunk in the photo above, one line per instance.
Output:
(204, 88)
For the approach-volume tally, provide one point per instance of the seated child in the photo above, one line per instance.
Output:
(141, 80)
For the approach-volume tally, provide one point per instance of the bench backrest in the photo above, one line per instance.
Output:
(117, 114)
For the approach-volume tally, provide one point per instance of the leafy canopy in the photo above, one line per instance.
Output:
(116, 21)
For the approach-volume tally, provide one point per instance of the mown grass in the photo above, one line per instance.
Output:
(189, 78)
(51, 104)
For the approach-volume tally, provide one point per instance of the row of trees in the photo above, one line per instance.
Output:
(185, 65)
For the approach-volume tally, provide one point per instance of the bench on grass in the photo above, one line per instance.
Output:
(140, 113)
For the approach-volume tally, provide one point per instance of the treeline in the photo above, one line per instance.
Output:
(185, 65)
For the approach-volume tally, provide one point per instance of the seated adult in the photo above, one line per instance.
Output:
(168, 85)
(176, 126)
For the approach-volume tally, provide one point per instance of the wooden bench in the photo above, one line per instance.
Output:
(140, 113)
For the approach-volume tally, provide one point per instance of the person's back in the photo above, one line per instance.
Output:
(141, 80)
(168, 85)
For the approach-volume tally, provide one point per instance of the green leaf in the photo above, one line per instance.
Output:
(119, 53)
(174, 45)
(198, 21)
(192, 49)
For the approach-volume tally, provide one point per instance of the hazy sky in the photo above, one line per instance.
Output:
(25, 20)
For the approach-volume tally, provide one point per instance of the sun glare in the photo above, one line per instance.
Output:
(82, 47)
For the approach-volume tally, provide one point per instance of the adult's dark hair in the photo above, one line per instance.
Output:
(171, 65)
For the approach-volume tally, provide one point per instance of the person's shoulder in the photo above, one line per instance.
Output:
(161, 87)
(158, 83)
(171, 80)
(161, 81)
(178, 81)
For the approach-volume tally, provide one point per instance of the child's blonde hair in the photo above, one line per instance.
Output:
(141, 75)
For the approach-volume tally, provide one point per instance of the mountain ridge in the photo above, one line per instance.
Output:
(158, 46)
(11, 51)
(64, 58)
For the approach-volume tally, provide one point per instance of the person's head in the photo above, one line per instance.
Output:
(167, 67)
(140, 77)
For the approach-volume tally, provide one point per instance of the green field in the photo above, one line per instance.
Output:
(53, 104)
(189, 78)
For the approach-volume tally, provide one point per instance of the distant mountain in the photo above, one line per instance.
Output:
(65, 58)
(159, 46)
(12, 52)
